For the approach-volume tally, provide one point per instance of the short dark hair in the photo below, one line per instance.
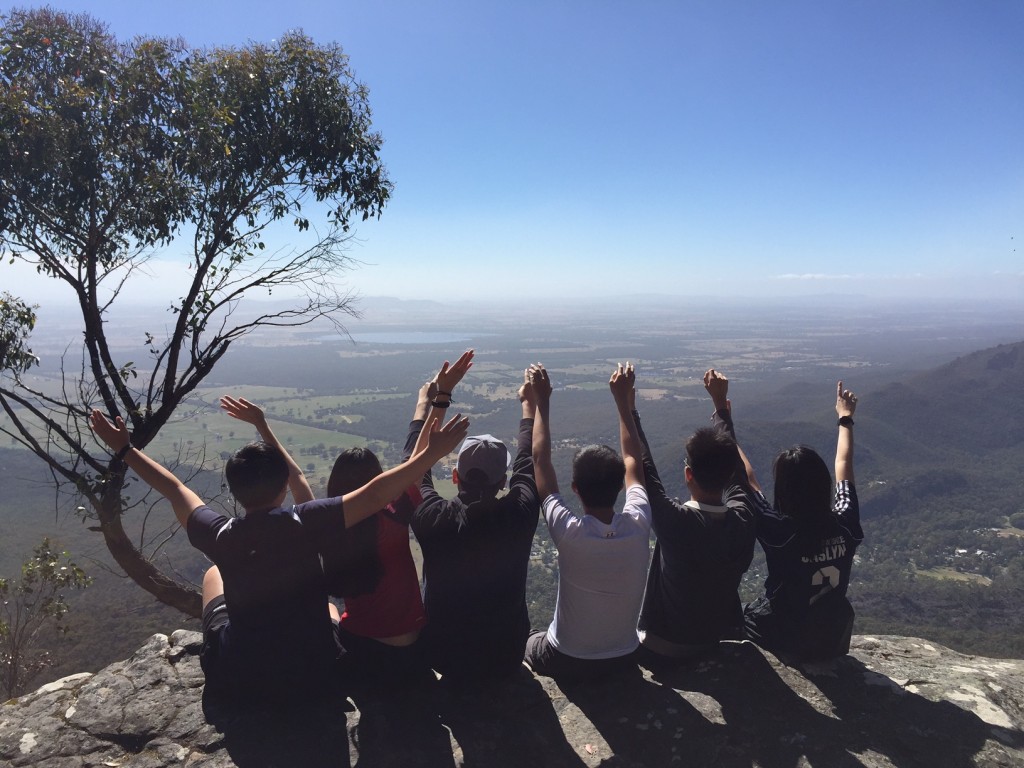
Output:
(712, 457)
(803, 487)
(256, 474)
(597, 474)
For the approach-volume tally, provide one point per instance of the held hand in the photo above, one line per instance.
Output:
(526, 392)
(115, 435)
(442, 440)
(450, 375)
(717, 385)
(243, 410)
(428, 391)
(622, 382)
(846, 401)
(539, 382)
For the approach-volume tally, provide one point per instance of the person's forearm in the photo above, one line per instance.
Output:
(651, 479)
(844, 454)
(748, 469)
(543, 469)
(297, 483)
(384, 488)
(431, 406)
(744, 474)
(542, 432)
(629, 440)
(721, 419)
(412, 438)
(163, 481)
(431, 415)
(155, 475)
(660, 502)
(422, 407)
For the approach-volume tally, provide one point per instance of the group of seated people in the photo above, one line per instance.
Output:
(269, 626)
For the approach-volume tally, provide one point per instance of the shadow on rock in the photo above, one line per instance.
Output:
(879, 715)
(645, 723)
(765, 720)
(509, 724)
(401, 729)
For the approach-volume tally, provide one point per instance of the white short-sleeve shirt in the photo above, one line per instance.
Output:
(602, 572)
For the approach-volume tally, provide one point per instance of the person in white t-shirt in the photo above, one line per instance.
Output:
(603, 554)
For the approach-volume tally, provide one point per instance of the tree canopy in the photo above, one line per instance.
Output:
(111, 152)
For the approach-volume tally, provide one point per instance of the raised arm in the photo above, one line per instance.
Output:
(537, 390)
(528, 401)
(423, 399)
(389, 485)
(419, 417)
(748, 468)
(717, 385)
(160, 479)
(652, 481)
(623, 386)
(436, 396)
(251, 413)
(846, 404)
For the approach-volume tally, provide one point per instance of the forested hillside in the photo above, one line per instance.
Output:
(939, 469)
(943, 481)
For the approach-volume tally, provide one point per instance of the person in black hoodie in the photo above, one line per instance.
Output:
(809, 536)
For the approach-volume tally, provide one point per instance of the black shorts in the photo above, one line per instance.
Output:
(471, 658)
(249, 676)
(215, 621)
(369, 662)
(215, 615)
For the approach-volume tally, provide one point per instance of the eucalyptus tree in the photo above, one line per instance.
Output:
(114, 152)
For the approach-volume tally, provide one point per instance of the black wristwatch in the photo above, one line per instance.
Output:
(845, 421)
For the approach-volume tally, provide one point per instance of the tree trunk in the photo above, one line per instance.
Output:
(140, 570)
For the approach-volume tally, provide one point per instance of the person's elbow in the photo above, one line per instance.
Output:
(184, 505)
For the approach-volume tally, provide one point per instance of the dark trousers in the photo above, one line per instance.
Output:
(545, 659)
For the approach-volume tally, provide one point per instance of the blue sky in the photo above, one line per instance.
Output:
(591, 148)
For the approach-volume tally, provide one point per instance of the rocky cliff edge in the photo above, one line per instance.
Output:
(893, 701)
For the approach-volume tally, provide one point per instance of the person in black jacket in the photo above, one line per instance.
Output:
(809, 536)
(704, 546)
(476, 548)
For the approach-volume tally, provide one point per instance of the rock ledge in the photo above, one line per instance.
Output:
(893, 702)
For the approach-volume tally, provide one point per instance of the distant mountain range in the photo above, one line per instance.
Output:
(975, 403)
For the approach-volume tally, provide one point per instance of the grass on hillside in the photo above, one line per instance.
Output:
(943, 572)
(200, 423)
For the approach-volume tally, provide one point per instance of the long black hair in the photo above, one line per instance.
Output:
(352, 565)
(803, 490)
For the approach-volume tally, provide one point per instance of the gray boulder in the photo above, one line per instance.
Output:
(894, 701)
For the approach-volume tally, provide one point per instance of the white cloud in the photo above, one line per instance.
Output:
(815, 276)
